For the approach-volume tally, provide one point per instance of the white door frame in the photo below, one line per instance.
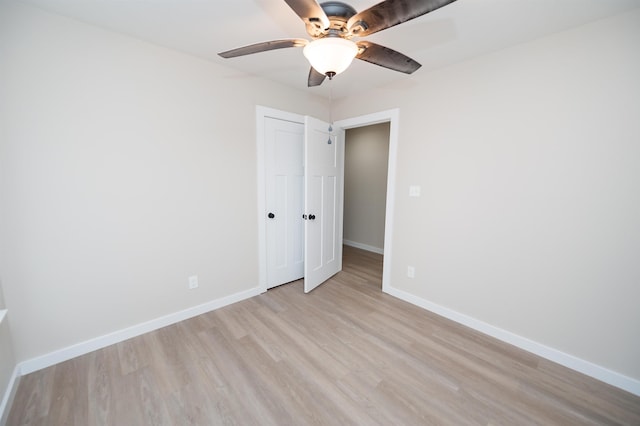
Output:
(392, 116)
(261, 114)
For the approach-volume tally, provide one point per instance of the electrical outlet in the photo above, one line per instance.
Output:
(193, 282)
(411, 272)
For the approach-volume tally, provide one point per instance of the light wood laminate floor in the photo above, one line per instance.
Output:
(344, 354)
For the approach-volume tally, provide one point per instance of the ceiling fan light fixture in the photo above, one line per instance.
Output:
(330, 55)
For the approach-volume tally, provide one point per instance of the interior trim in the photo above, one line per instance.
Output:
(100, 342)
(9, 395)
(362, 246)
(392, 116)
(585, 367)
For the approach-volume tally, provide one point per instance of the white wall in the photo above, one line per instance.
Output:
(528, 160)
(365, 185)
(125, 168)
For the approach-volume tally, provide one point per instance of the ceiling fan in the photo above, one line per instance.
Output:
(333, 24)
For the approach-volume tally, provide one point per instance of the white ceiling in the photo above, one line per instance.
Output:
(459, 31)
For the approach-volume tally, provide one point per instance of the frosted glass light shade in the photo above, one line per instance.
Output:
(330, 54)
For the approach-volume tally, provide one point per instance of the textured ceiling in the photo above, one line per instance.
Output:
(459, 31)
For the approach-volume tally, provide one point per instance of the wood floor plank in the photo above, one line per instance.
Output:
(238, 375)
(102, 369)
(69, 403)
(344, 354)
(133, 354)
(35, 398)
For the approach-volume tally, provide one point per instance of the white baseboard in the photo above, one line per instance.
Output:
(600, 373)
(363, 246)
(9, 394)
(585, 367)
(91, 345)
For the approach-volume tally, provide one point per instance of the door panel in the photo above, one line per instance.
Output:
(284, 170)
(297, 233)
(329, 223)
(324, 171)
(313, 252)
(280, 222)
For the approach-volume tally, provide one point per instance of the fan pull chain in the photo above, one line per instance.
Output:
(330, 109)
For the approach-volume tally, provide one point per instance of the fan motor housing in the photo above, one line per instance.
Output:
(338, 14)
(337, 9)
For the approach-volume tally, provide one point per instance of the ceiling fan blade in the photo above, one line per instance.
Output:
(311, 13)
(385, 57)
(315, 78)
(263, 47)
(389, 13)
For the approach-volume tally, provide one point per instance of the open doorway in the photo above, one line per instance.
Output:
(390, 120)
(365, 192)
(365, 186)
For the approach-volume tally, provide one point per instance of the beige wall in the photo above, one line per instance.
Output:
(528, 161)
(365, 184)
(126, 168)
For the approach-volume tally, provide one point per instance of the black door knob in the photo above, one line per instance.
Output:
(312, 217)
(271, 215)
